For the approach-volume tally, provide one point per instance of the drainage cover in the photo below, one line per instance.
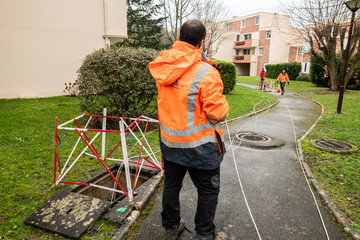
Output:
(253, 137)
(333, 146)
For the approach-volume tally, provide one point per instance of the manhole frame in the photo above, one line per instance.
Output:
(353, 147)
(269, 139)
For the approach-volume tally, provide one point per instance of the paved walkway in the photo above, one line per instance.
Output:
(274, 184)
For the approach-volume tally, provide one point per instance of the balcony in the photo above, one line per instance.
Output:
(247, 43)
(242, 59)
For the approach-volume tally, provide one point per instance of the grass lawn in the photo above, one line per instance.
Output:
(242, 100)
(339, 174)
(26, 160)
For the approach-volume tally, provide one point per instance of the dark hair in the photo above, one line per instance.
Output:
(193, 32)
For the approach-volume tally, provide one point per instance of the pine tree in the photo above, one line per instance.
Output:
(144, 28)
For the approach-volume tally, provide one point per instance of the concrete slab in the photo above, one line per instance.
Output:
(68, 214)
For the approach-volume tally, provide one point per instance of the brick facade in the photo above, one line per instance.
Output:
(235, 26)
(265, 43)
(292, 54)
(306, 57)
(249, 26)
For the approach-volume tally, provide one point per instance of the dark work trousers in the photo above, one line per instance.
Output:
(282, 86)
(207, 183)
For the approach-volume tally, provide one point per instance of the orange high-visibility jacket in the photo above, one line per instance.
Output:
(283, 78)
(191, 106)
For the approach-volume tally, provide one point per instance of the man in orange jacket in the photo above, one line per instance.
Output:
(283, 77)
(191, 106)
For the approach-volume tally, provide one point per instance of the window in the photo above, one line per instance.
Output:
(227, 27)
(246, 51)
(305, 67)
(299, 50)
(261, 50)
(243, 23)
(237, 52)
(247, 36)
(257, 20)
(268, 34)
(307, 47)
(238, 38)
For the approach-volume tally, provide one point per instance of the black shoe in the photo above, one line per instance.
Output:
(174, 232)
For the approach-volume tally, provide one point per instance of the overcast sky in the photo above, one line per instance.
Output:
(244, 7)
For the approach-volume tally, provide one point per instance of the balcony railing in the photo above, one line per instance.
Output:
(239, 57)
(239, 43)
(247, 43)
(242, 59)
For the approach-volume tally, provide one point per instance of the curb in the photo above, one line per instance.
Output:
(137, 207)
(134, 215)
(337, 213)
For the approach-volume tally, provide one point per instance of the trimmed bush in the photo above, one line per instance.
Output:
(119, 80)
(317, 73)
(304, 78)
(228, 75)
(292, 69)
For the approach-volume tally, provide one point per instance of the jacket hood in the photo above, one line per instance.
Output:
(171, 64)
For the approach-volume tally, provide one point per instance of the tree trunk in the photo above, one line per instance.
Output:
(334, 84)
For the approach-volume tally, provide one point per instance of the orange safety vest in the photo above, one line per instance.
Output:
(283, 78)
(191, 106)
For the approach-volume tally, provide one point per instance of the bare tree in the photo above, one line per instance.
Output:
(213, 14)
(324, 25)
(176, 12)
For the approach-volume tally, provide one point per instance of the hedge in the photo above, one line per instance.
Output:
(119, 80)
(228, 75)
(292, 69)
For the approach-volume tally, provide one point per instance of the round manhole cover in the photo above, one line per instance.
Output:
(253, 137)
(334, 146)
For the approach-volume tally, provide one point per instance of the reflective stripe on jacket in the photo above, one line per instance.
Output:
(283, 78)
(191, 106)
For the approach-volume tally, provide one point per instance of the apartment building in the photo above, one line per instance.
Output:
(255, 40)
(43, 42)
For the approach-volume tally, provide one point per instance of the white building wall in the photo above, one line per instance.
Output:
(223, 48)
(43, 42)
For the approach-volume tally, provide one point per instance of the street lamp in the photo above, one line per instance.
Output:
(353, 5)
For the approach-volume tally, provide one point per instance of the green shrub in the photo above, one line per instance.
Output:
(304, 78)
(228, 75)
(292, 69)
(317, 73)
(119, 80)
